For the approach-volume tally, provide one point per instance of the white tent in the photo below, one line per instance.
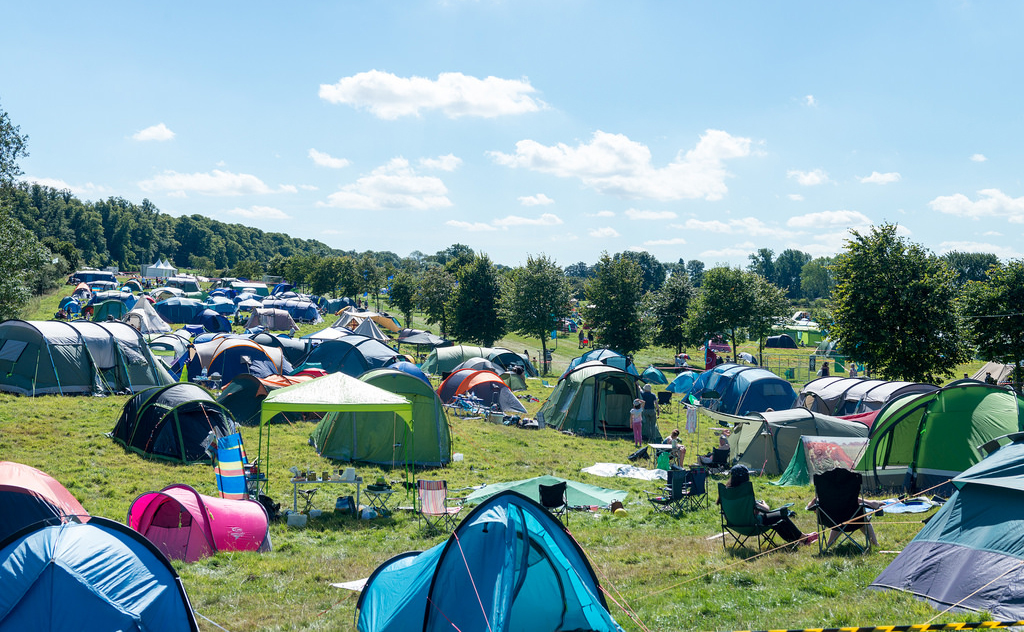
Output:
(144, 318)
(162, 269)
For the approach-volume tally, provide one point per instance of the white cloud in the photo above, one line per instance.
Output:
(260, 212)
(880, 178)
(656, 215)
(154, 132)
(389, 96)
(739, 250)
(217, 182)
(810, 101)
(326, 160)
(978, 157)
(601, 214)
(991, 203)
(808, 178)
(309, 187)
(615, 165)
(535, 200)
(991, 233)
(826, 219)
(395, 185)
(796, 197)
(1003, 252)
(607, 231)
(746, 226)
(473, 227)
(547, 219)
(676, 241)
(450, 162)
(81, 190)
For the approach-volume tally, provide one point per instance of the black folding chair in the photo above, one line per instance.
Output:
(665, 401)
(553, 498)
(719, 461)
(671, 498)
(839, 509)
(695, 495)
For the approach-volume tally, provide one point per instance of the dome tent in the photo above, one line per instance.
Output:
(28, 495)
(352, 355)
(593, 398)
(741, 390)
(172, 422)
(484, 385)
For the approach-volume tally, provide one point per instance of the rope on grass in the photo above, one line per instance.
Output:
(210, 620)
(976, 592)
(917, 627)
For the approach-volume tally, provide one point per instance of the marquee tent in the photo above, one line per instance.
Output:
(594, 399)
(841, 396)
(28, 495)
(160, 269)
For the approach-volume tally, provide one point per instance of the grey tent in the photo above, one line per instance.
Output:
(841, 396)
(767, 442)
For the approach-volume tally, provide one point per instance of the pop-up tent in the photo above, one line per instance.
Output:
(768, 441)
(920, 441)
(509, 565)
(172, 422)
(653, 375)
(486, 386)
(186, 525)
(335, 392)
(380, 437)
(144, 318)
(841, 396)
(98, 575)
(594, 399)
(970, 555)
(28, 495)
(740, 390)
(683, 382)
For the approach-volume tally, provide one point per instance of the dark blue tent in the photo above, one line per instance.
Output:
(782, 341)
(604, 356)
(298, 309)
(179, 310)
(99, 575)
(212, 322)
(743, 389)
(127, 298)
(508, 566)
(332, 305)
(352, 355)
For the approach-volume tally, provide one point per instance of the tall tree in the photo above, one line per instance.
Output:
(534, 298)
(763, 262)
(402, 294)
(970, 266)
(669, 307)
(895, 308)
(769, 305)
(477, 296)
(788, 270)
(995, 315)
(615, 293)
(434, 297)
(817, 279)
(695, 268)
(23, 258)
(723, 305)
(12, 147)
(652, 271)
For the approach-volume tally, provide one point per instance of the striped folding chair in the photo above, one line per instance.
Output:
(433, 505)
(230, 468)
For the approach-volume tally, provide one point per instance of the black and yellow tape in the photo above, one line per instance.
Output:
(921, 627)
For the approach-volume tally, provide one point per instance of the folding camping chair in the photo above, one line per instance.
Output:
(739, 519)
(237, 479)
(695, 494)
(553, 498)
(839, 509)
(665, 401)
(719, 461)
(671, 498)
(432, 504)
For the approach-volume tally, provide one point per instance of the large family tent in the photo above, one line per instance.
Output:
(595, 399)
(98, 575)
(186, 525)
(741, 390)
(220, 304)
(271, 320)
(179, 310)
(509, 565)
(28, 495)
(970, 555)
(604, 356)
(352, 355)
(332, 305)
(335, 392)
(230, 357)
(111, 309)
(841, 396)
(55, 357)
(172, 423)
(144, 318)
(302, 311)
(782, 341)
(378, 437)
(766, 443)
(485, 386)
(924, 440)
(443, 360)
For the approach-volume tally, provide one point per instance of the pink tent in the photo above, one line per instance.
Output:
(186, 525)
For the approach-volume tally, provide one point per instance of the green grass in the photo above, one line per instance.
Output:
(668, 571)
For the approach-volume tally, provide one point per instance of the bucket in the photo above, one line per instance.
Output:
(297, 520)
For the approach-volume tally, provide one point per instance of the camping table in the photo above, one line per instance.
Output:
(378, 499)
(357, 481)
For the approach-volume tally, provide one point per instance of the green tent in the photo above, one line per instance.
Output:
(331, 393)
(821, 454)
(576, 494)
(443, 360)
(593, 398)
(380, 437)
(922, 440)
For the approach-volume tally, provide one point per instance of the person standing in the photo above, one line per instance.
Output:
(650, 413)
(636, 421)
(581, 337)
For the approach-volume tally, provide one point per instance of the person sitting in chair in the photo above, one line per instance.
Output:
(723, 444)
(678, 453)
(779, 519)
(872, 505)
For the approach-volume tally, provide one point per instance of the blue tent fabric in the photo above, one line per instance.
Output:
(212, 322)
(411, 369)
(352, 355)
(508, 566)
(178, 310)
(682, 383)
(653, 375)
(99, 575)
(604, 356)
(744, 389)
(299, 310)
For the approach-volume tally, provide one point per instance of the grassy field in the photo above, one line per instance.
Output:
(669, 573)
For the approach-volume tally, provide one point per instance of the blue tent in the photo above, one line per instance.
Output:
(604, 356)
(179, 310)
(653, 375)
(743, 389)
(508, 566)
(220, 304)
(298, 309)
(352, 355)
(411, 369)
(212, 322)
(99, 575)
(683, 383)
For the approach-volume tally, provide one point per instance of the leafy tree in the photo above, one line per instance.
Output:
(332, 276)
(534, 298)
(788, 271)
(695, 269)
(970, 266)
(579, 270)
(248, 269)
(995, 315)
(615, 294)
(769, 304)
(434, 297)
(817, 279)
(12, 147)
(724, 305)
(455, 256)
(477, 295)
(894, 308)
(652, 270)
(763, 262)
(669, 307)
(23, 257)
(402, 294)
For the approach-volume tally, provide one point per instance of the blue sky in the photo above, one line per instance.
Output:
(690, 130)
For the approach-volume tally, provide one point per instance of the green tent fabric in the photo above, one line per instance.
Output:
(653, 375)
(821, 454)
(380, 437)
(593, 399)
(443, 360)
(577, 494)
(921, 441)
